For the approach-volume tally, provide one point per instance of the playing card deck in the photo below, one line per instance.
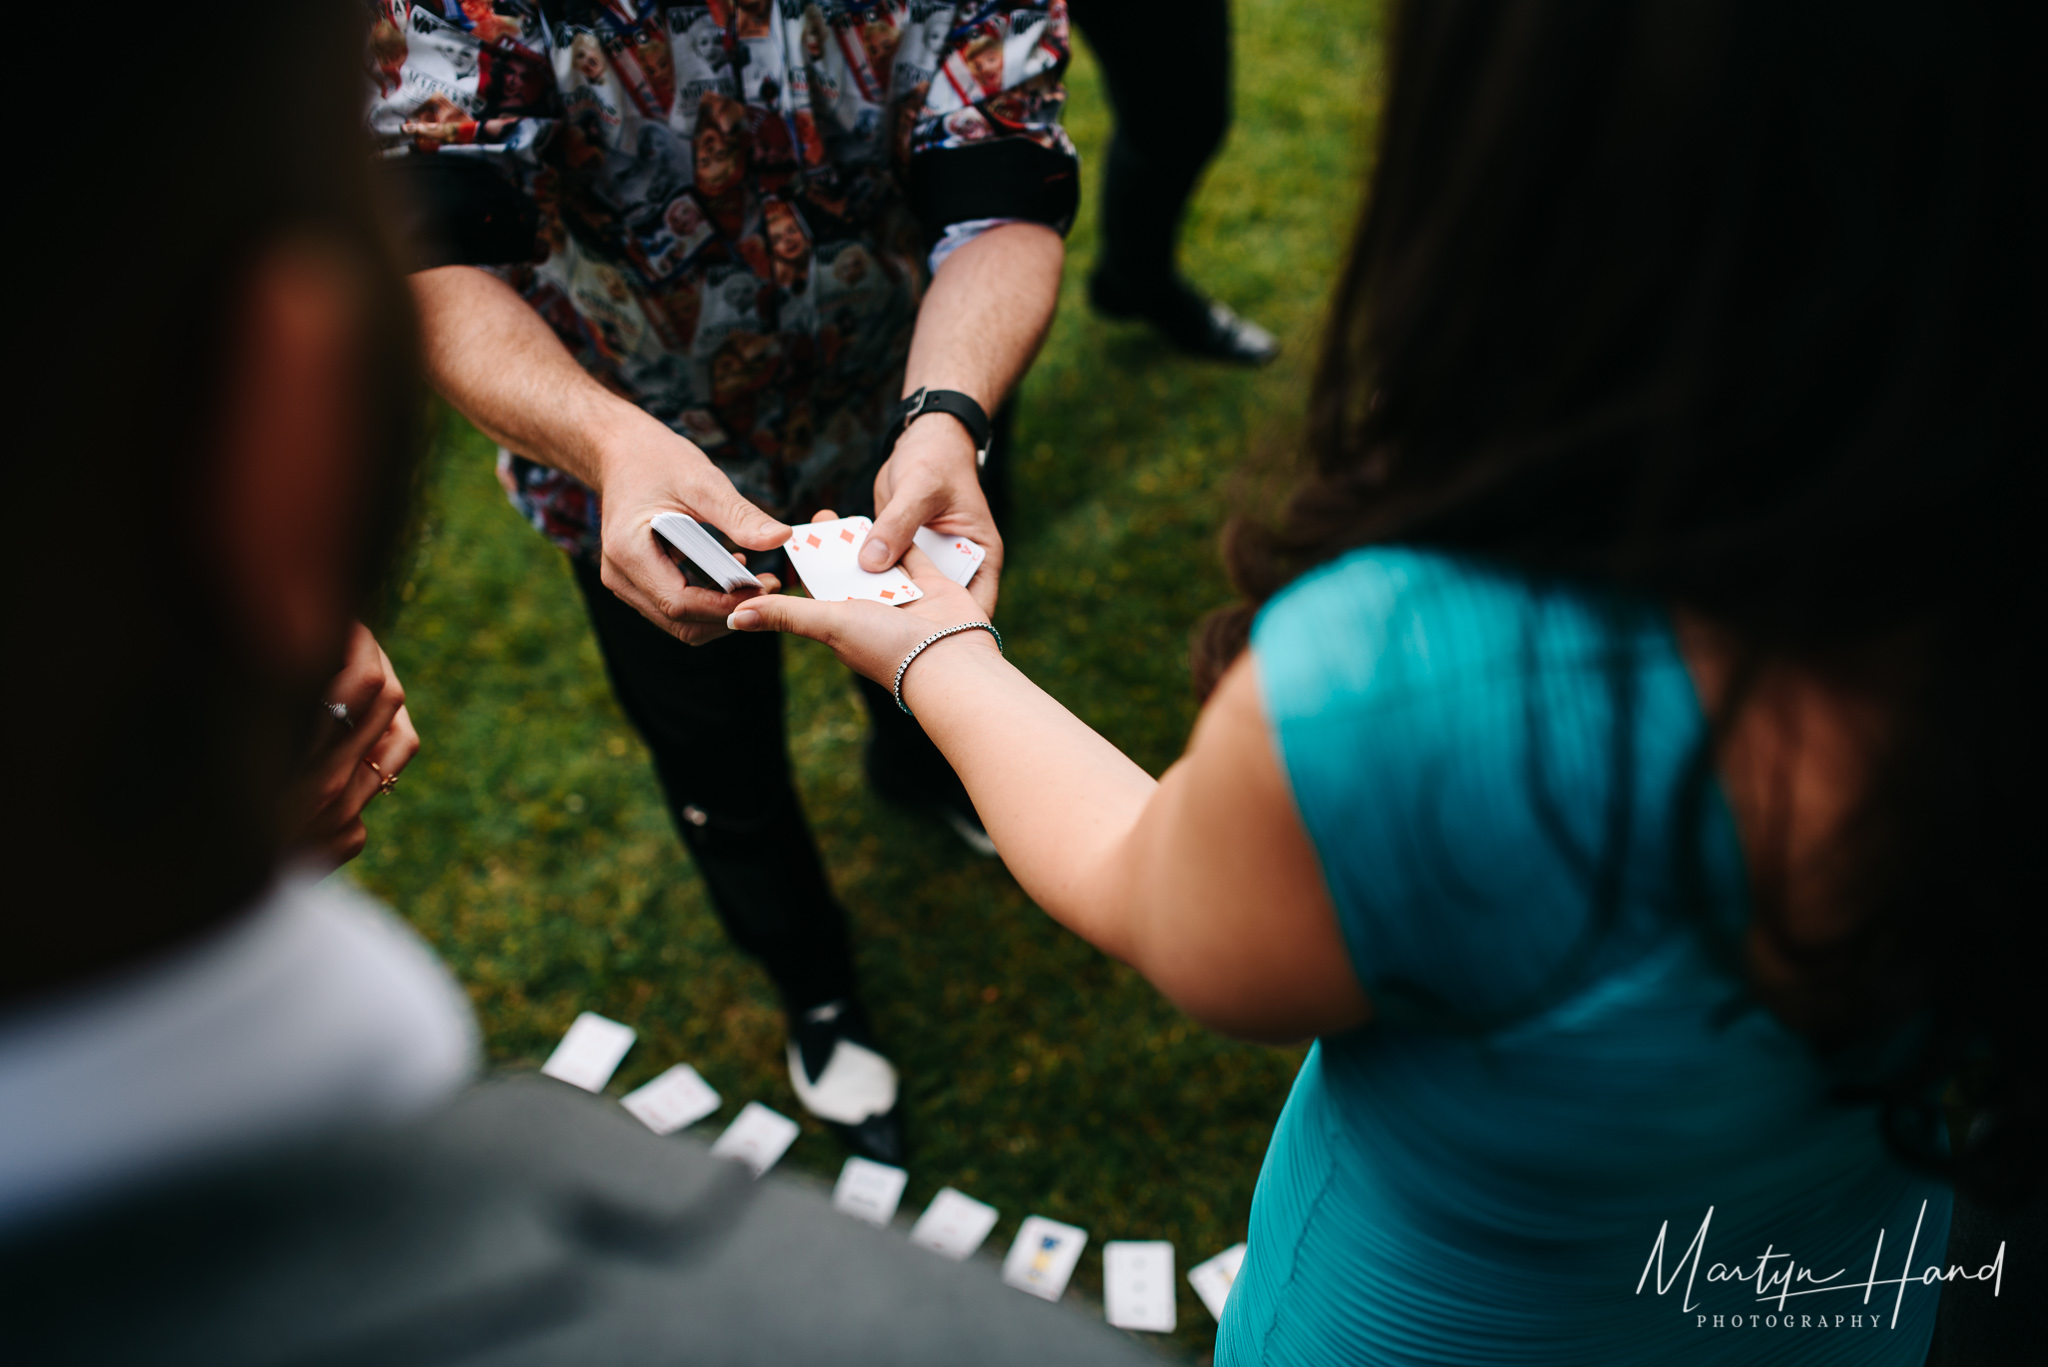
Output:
(1042, 1257)
(589, 1054)
(1137, 1285)
(676, 1099)
(687, 535)
(953, 1225)
(757, 1137)
(826, 556)
(869, 1191)
(1212, 1280)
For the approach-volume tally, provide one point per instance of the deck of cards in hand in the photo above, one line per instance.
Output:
(689, 536)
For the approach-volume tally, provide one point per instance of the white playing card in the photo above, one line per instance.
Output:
(1212, 1280)
(589, 1054)
(953, 1225)
(956, 556)
(1042, 1257)
(687, 535)
(675, 1099)
(869, 1190)
(826, 556)
(757, 1137)
(1137, 1285)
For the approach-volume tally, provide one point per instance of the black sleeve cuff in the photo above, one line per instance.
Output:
(458, 211)
(1005, 178)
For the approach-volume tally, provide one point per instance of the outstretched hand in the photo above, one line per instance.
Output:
(868, 637)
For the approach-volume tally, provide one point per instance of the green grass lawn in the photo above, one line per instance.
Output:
(529, 842)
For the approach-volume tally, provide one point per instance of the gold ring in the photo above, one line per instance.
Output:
(385, 782)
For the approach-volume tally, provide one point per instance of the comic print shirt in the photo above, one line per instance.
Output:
(733, 201)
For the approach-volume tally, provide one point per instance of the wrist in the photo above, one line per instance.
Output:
(930, 407)
(939, 438)
(967, 648)
(625, 444)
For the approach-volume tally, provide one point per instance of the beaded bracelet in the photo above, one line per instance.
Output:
(897, 687)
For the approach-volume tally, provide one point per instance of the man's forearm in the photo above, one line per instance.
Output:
(986, 312)
(489, 354)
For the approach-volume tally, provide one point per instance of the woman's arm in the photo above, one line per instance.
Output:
(1204, 881)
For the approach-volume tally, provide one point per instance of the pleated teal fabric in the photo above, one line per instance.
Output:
(1480, 1176)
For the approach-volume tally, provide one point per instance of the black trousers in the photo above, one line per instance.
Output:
(1167, 66)
(712, 718)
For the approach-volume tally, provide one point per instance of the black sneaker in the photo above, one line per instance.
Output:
(943, 796)
(840, 1078)
(1191, 321)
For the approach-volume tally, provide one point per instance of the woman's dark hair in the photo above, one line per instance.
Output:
(146, 746)
(1735, 306)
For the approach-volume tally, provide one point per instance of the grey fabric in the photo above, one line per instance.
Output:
(527, 1224)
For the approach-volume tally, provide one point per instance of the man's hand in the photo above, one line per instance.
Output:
(655, 471)
(324, 808)
(497, 361)
(931, 481)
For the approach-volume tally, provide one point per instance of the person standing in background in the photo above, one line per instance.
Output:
(699, 259)
(1168, 72)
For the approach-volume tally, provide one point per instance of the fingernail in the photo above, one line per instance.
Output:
(743, 619)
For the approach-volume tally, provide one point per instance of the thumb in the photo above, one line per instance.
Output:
(895, 525)
(717, 502)
(780, 612)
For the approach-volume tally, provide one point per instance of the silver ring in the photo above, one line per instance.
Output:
(339, 711)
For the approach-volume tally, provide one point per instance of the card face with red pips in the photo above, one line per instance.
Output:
(826, 556)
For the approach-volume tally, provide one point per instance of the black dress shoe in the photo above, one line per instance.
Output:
(942, 795)
(1196, 324)
(841, 1078)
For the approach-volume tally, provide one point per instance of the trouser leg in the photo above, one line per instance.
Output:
(712, 718)
(1167, 66)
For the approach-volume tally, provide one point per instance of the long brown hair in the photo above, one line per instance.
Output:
(1734, 306)
(148, 749)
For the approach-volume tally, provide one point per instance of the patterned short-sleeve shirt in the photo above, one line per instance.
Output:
(734, 201)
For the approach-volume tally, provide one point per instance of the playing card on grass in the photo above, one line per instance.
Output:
(826, 556)
(675, 1099)
(757, 1137)
(1137, 1285)
(1212, 1279)
(687, 535)
(956, 556)
(953, 1225)
(1043, 1256)
(869, 1190)
(589, 1054)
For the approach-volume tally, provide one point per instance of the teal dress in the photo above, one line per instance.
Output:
(1481, 1174)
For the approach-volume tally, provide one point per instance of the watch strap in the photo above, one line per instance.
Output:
(950, 402)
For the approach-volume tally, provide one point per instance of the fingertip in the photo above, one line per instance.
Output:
(743, 619)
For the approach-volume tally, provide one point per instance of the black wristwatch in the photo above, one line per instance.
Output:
(948, 401)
